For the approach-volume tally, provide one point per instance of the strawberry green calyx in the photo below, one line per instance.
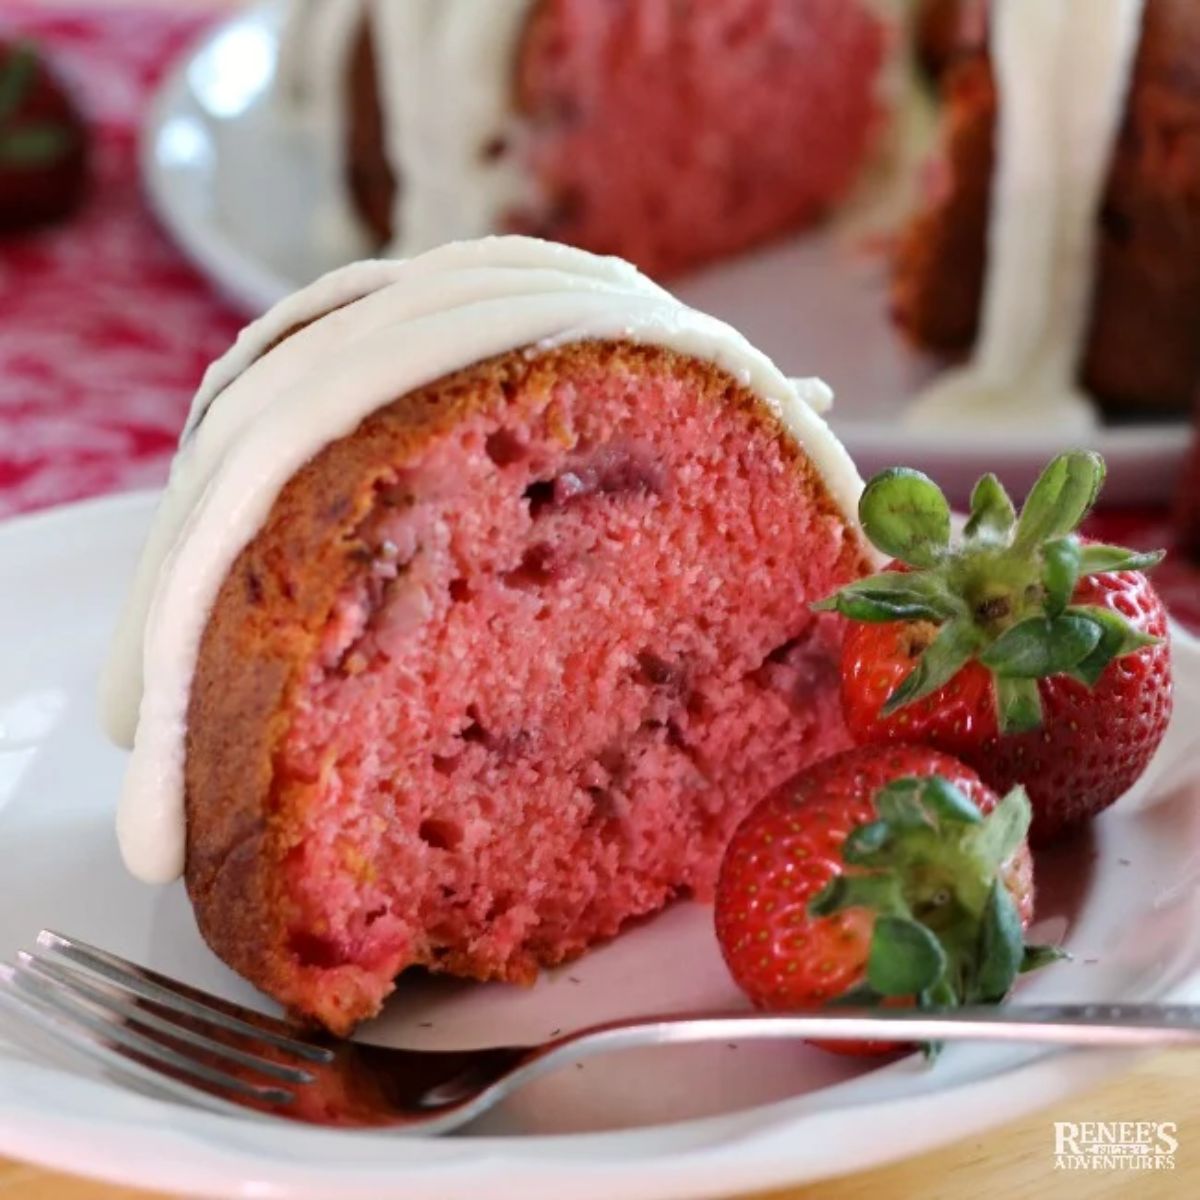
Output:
(1001, 595)
(931, 868)
(18, 70)
(26, 145)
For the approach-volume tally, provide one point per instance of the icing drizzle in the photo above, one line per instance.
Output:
(1062, 71)
(446, 83)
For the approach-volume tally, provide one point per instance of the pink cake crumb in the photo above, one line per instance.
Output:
(672, 134)
(581, 650)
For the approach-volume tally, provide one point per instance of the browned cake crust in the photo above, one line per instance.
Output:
(947, 29)
(1143, 350)
(937, 286)
(369, 175)
(278, 597)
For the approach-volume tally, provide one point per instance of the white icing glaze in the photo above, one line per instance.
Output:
(121, 682)
(260, 416)
(314, 57)
(889, 189)
(1062, 72)
(446, 81)
(316, 39)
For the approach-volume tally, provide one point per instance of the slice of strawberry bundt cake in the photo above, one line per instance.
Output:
(473, 619)
(667, 132)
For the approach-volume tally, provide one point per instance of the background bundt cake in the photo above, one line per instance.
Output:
(1053, 248)
(668, 133)
(1139, 345)
(474, 618)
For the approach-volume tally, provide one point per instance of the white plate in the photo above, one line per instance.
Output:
(1125, 900)
(241, 191)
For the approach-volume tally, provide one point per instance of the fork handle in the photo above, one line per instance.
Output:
(1094, 1025)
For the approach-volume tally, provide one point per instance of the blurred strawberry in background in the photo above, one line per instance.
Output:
(43, 141)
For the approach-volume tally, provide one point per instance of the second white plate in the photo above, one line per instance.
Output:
(242, 191)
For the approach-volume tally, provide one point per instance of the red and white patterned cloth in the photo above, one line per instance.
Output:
(105, 330)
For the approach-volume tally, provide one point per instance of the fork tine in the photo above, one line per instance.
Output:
(138, 1011)
(64, 1033)
(128, 1044)
(193, 1002)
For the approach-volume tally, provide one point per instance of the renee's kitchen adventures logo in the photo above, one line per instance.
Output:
(1115, 1145)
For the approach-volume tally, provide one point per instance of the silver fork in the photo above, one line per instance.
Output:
(156, 1032)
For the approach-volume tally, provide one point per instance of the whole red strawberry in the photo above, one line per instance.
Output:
(885, 874)
(43, 145)
(1033, 656)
